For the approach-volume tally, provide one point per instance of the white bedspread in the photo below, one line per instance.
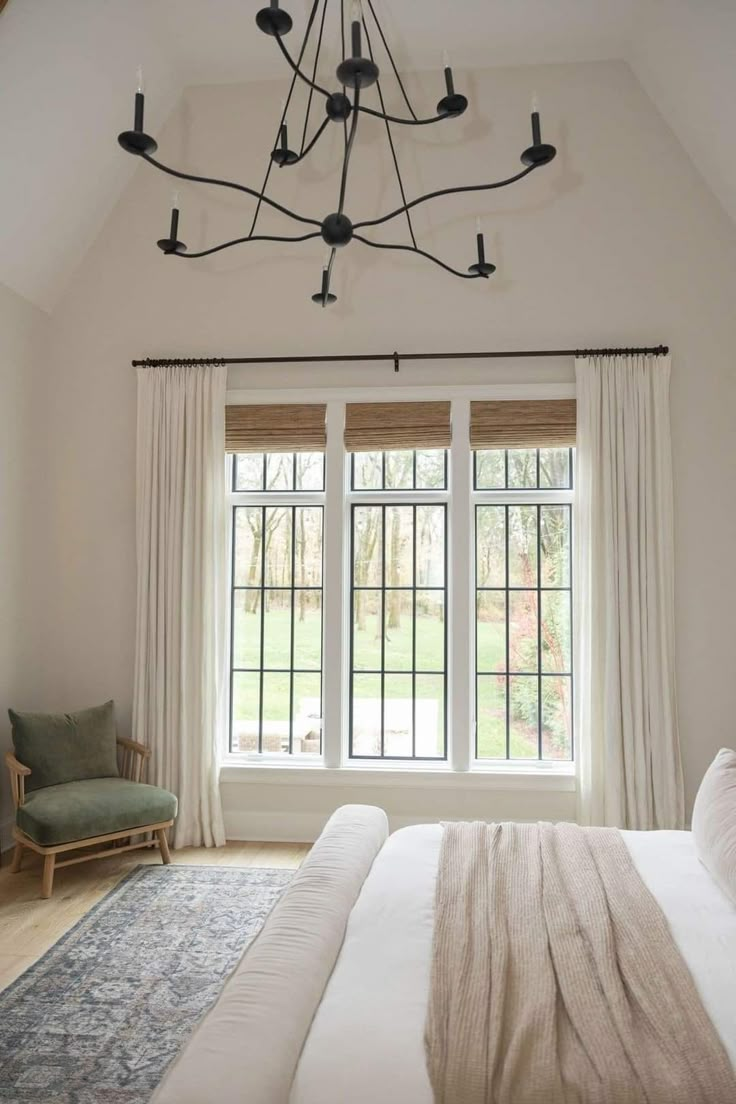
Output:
(365, 1044)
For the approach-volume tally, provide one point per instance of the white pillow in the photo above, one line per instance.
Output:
(714, 821)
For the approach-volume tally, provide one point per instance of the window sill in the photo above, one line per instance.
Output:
(548, 777)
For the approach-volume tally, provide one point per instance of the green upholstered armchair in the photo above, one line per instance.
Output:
(77, 784)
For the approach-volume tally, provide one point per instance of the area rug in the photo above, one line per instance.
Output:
(99, 1018)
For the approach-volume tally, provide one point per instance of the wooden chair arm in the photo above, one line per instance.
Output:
(18, 772)
(133, 745)
(134, 759)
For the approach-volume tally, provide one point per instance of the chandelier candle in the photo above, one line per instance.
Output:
(345, 102)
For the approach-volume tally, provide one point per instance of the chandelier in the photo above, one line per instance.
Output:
(344, 107)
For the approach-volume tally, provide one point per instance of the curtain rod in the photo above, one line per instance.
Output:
(396, 358)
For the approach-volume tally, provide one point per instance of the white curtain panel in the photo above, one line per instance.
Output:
(627, 751)
(179, 662)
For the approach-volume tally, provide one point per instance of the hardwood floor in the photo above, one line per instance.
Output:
(29, 926)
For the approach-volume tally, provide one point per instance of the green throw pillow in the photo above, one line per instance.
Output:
(66, 747)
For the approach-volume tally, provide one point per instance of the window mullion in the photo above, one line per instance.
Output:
(460, 580)
(334, 668)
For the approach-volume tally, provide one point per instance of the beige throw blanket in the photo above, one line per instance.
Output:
(555, 979)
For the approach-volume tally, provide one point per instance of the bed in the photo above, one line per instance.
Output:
(329, 1004)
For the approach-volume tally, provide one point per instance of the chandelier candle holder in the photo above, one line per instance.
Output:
(356, 73)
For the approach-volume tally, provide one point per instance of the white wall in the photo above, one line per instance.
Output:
(618, 242)
(21, 331)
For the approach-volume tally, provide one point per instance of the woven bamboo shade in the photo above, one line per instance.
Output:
(294, 427)
(378, 427)
(544, 423)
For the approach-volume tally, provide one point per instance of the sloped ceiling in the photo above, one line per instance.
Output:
(67, 77)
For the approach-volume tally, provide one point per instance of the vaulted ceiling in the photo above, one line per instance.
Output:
(67, 72)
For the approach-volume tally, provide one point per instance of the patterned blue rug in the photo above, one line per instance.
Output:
(99, 1018)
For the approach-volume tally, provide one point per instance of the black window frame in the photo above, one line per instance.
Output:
(528, 496)
(352, 672)
(262, 589)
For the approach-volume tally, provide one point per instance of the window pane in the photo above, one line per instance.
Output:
(367, 630)
(523, 717)
(430, 630)
(279, 471)
(277, 630)
(399, 630)
(310, 468)
(397, 715)
(491, 630)
(249, 471)
(522, 468)
(491, 717)
(248, 545)
(523, 628)
(490, 469)
(399, 540)
(367, 545)
(366, 715)
(308, 630)
(308, 546)
(247, 628)
(367, 471)
(430, 716)
(307, 736)
(556, 718)
(431, 469)
(246, 711)
(430, 546)
(556, 631)
(277, 627)
(522, 523)
(399, 470)
(277, 539)
(491, 546)
(554, 467)
(555, 545)
(523, 610)
(276, 712)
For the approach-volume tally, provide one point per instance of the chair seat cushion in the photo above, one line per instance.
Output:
(93, 807)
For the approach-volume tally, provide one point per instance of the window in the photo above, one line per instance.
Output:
(398, 633)
(432, 567)
(276, 608)
(523, 627)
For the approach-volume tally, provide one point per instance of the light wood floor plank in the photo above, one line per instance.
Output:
(29, 926)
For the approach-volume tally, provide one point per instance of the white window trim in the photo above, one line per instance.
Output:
(333, 767)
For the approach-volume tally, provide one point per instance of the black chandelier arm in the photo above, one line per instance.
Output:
(242, 241)
(295, 68)
(446, 191)
(229, 184)
(366, 110)
(314, 72)
(420, 253)
(349, 150)
(389, 135)
(390, 56)
(313, 142)
(270, 164)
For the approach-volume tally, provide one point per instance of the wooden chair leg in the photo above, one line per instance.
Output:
(163, 845)
(47, 882)
(17, 858)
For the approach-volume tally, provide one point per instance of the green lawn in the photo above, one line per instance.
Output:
(367, 651)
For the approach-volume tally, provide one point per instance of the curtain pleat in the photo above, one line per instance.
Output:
(179, 660)
(627, 744)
